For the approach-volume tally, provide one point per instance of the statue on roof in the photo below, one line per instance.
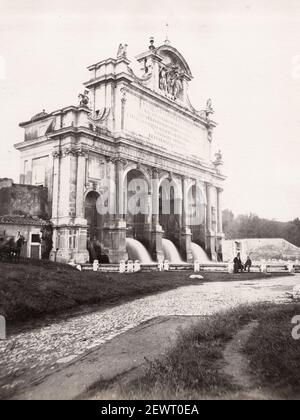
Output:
(84, 98)
(209, 109)
(122, 51)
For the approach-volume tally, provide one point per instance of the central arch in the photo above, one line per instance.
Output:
(137, 206)
(170, 204)
(95, 223)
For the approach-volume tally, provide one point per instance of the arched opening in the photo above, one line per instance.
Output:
(169, 211)
(137, 204)
(196, 215)
(95, 222)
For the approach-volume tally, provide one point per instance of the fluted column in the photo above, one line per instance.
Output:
(186, 234)
(184, 202)
(81, 180)
(114, 232)
(210, 235)
(157, 233)
(155, 198)
(219, 210)
(119, 188)
(55, 192)
(55, 186)
(220, 235)
(208, 207)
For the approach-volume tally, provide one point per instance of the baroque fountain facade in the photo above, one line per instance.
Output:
(129, 170)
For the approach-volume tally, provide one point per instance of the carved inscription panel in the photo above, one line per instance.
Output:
(164, 128)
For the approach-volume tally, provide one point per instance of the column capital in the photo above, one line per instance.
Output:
(155, 173)
(69, 151)
(56, 154)
(119, 161)
(81, 153)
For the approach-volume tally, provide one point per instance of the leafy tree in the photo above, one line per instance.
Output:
(252, 226)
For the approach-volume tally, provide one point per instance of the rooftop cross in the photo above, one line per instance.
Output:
(167, 41)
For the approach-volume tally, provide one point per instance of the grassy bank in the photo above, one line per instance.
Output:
(34, 291)
(193, 369)
(273, 353)
(37, 289)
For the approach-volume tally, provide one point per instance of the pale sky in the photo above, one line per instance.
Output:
(244, 54)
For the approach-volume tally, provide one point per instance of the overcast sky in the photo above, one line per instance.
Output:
(245, 55)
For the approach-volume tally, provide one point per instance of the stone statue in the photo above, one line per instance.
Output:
(84, 98)
(177, 87)
(163, 80)
(122, 51)
(209, 109)
(219, 156)
(170, 81)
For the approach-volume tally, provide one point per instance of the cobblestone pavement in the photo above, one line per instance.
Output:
(29, 355)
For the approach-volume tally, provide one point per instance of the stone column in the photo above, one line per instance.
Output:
(55, 192)
(123, 102)
(67, 203)
(210, 235)
(114, 231)
(220, 234)
(119, 189)
(208, 208)
(148, 221)
(157, 233)
(186, 234)
(219, 210)
(81, 254)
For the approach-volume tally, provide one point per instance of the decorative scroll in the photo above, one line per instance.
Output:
(97, 118)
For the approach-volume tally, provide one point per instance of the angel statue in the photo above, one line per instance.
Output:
(84, 98)
(163, 80)
(209, 109)
(122, 51)
(219, 156)
(177, 86)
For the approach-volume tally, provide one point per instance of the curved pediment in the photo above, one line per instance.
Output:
(172, 57)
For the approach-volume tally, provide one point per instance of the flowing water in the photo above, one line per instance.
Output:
(171, 252)
(199, 254)
(137, 251)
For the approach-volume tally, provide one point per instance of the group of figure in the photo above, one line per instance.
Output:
(239, 266)
(10, 249)
(170, 81)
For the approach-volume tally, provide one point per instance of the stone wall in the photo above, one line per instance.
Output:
(23, 199)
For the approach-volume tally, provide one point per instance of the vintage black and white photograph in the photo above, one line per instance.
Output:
(149, 202)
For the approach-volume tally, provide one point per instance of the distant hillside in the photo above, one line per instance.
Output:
(252, 226)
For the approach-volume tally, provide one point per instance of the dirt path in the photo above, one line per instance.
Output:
(236, 362)
(33, 355)
(115, 362)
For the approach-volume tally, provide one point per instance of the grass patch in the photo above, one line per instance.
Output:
(273, 353)
(193, 368)
(34, 290)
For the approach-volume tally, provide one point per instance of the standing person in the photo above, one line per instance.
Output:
(238, 265)
(248, 264)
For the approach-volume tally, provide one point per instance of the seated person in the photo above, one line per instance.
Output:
(248, 264)
(238, 265)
